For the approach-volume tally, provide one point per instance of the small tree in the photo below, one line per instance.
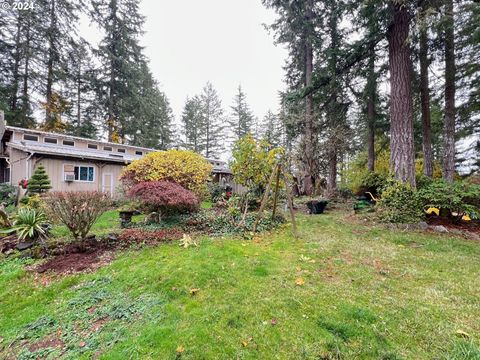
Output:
(39, 183)
(253, 162)
(77, 210)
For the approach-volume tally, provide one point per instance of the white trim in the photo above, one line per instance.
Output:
(111, 182)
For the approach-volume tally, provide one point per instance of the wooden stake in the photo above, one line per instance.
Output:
(264, 199)
(275, 197)
(290, 206)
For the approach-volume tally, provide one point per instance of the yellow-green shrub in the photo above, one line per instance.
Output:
(182, 167)
(253, 162)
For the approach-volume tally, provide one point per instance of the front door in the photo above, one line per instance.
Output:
(107, 183)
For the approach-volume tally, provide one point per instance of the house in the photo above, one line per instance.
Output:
(72, 163)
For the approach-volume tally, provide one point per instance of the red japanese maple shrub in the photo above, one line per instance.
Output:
(164, 197)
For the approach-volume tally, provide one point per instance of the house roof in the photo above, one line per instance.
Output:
(52, 149)
(219, 166)
(65, 136)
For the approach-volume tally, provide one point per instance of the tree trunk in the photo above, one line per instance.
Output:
(332, 172)
(309, 150)
(16, 65)
(26, 74)
(449, 124)
(425, 101)
(371, 113)
(79, 94)
(50, 61)
(111, 119)
(402, 154)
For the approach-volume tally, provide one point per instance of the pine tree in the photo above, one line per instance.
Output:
(212, 114)
(192, 123)
(39, 182)
(242, 119)
(121, 57)
(273, 129)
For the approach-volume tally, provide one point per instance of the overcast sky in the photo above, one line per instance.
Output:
(190, 42)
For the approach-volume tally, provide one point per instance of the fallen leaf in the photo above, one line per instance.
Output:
(180, 349)
(300, 281)
(245, 343)
(194, 291)
(462, 333)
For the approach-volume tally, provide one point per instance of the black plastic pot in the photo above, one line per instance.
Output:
(126, 217)
(317, 206)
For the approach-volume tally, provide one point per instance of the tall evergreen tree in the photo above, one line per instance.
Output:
(121, 58)
(212, 114)
(242, 118)
(192, 123)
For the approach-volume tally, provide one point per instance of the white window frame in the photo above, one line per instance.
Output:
(76, 165)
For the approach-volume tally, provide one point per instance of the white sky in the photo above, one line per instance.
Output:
(190, 42)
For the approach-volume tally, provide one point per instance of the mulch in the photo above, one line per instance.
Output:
(470, 226)
(94, 254)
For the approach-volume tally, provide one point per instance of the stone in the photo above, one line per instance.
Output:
(423, 225)
(21, 246)
(439, 228)
(112, 237)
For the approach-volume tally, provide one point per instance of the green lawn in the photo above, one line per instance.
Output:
(368, 293)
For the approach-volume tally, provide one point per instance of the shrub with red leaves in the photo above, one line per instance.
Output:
(164, 197)
(130, 236)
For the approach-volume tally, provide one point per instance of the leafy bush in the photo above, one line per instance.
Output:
(400, 203)
(33, 201)
(77, 210)
(186, 168)
(29, 224)
(8, 194)
(216, 191)
(225, 223)
(457, 198)
(164, 197)
(253, 162)
(150, 237)
(372, 182)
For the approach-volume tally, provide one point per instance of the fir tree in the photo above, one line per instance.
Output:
(39, 182)
(242, 120)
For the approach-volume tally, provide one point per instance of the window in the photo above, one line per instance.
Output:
(107, 148)
(30, 137)
(68, 142)
(50, 140)
(139, 153)
(121, 150)
(84, 173)
(92, 146)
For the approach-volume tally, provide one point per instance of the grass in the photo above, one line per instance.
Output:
(368, 293)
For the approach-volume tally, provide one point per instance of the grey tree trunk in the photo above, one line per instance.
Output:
(50, 62)
(371, 113)
(425, 101)
(309, 139)
(402, 154)
(449, 122)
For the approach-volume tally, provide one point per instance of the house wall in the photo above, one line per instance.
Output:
(55, 171)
